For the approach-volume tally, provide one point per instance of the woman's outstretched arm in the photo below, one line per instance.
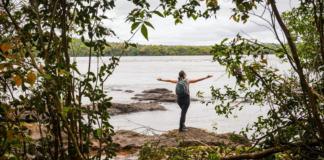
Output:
(200, 79)
(167, 80)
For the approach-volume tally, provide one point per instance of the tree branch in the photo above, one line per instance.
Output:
(269, 152)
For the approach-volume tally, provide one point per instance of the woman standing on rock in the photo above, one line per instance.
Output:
(184, 99)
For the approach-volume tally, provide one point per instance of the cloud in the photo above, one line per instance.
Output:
(199, 32)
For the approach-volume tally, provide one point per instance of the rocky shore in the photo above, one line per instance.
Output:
(125, 139)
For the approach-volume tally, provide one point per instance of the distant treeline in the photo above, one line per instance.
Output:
(144, 50)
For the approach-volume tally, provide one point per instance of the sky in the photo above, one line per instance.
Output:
(201, 32)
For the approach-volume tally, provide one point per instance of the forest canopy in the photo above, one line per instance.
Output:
(114, 49)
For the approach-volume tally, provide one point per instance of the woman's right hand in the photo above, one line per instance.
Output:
(159, 79)
(209, 76)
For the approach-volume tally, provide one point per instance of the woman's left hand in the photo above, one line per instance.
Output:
(209, 76)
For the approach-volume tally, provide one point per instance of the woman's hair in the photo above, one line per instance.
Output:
(181, 75)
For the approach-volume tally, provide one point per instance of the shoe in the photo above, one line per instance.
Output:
(183, 129)
(184, 126)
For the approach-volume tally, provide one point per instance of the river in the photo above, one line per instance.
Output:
(139, 73)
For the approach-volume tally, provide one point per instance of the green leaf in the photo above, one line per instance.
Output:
(149, 24)
(178, 21)
(99, 130)
(194, 17)
(142, 14)
(133, 45)
(46, 76)
(73, 66)
(224, 40)
(144, 31)
(158, 13)
(78, 109)
(135, 25)
(65, 111)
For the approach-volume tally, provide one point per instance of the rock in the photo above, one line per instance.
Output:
(159, 97)
(33, 130)
(158, 90)
(116, 89)
(125, 139)
(196, 135)
(243, 101)
(118, 108)
(129, 91)
(146, 94)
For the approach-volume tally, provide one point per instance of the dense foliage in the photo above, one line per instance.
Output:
(38, 76)
(294, 123)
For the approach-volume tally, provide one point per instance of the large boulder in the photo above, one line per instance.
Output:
(158, 90)
(167, 97)
(129, 91)
(118, 108)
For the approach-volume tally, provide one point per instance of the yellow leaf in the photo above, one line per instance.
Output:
(5, 106)
(18, 80)
(264, 61)
(243, 65)
(244, 21)
(215, 2)
(31, 77)
(5, 47)
(133, 11)
(2, 65)
(234, 17)
(207, 1)
(41, 68)
(14, 57)
(59, 73)
(255, 6)
(10, 135)
(20, 137)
